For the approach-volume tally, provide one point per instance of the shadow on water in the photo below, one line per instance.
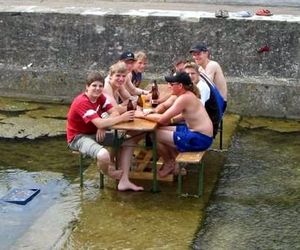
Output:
(256, 202)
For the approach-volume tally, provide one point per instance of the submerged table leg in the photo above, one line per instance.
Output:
(116, 149)
(154, 165)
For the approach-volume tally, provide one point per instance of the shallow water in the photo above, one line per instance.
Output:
(92, 218)
(256, 202)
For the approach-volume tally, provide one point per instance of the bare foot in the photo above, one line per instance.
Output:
(166, 169)
(176, 170)
(115, 174)
(123, 186)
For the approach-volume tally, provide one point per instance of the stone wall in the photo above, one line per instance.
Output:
(46, 55)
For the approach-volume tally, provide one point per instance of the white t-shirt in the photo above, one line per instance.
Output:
(204, 91)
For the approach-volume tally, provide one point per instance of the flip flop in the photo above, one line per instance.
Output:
(243, 14)
(264, 12)
(219, 13)
(225, 14)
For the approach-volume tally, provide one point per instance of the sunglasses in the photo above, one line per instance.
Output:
(173, 83)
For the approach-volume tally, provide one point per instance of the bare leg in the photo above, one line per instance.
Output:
(103, 162)
(124, 163)
(167, 150)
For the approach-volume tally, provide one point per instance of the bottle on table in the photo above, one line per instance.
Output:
(139, 103)
(130, 105)
(155, 94)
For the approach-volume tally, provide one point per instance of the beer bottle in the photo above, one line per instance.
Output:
(139, 103)
(154, 98)
(130, 105)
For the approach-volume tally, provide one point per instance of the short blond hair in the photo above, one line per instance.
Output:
(191, 65)
(140, 55)
(119, 67)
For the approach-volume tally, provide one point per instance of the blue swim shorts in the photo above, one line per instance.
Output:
(186, 140)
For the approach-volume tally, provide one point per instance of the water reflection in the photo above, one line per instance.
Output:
(256, 203)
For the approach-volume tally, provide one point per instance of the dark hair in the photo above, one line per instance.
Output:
(93, 77)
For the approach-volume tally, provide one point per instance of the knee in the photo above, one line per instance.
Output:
(103, 156)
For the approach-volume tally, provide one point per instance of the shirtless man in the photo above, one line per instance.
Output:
(196, 135)
(214, 71)
(114, 90)
(89, 116)
(118, 96)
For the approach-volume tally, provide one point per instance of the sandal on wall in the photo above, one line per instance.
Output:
(243, 14)
(218, 13)
(264, 12)
(225, 14)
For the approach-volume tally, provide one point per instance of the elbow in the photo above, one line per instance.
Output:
(163, 122)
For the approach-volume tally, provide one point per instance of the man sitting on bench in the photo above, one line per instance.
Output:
(196, 135)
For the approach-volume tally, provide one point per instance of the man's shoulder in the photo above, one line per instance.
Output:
(79, 98)
(202, 84)
(213, 63)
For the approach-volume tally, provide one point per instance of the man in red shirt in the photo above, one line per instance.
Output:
(89, 116)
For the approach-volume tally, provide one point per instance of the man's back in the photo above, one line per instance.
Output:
(215, 73)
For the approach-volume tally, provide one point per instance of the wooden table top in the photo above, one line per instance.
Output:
(138, 124)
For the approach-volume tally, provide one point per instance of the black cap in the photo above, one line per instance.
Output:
(198, 48)
(127, 56)
(180, 77)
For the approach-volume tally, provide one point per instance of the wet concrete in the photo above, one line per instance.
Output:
(256, 201)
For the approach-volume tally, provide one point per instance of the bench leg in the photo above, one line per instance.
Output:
(101, 180)
(179, 186)
(200, 184)
(200, 179)
(221, 135)
(81, 170)
(81, 159)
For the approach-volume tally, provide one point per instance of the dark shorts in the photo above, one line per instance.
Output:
(186, 140)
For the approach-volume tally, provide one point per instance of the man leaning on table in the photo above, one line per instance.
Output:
(88, 118)
(196, 135)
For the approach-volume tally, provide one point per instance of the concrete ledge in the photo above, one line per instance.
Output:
(47, 52)
(259, 96)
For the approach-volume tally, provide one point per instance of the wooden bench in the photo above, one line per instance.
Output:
(195, 158)
(81, 160)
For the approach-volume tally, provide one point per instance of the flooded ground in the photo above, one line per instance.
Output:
(255, 188)
(256, 202)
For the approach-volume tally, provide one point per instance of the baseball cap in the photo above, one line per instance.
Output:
(198, 48)
(181, 77)
(127, 56)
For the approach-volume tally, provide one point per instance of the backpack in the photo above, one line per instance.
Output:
(214, 105)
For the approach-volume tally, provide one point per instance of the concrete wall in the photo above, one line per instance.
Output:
(292, 3)
(47, 55)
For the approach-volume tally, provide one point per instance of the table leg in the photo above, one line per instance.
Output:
(154, 161)
(116, 148)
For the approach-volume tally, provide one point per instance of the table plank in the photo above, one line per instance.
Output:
(138, 124)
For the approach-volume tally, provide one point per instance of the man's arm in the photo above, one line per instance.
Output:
(132, 89)
(165, 118)
(165, 105)
(112, 120)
